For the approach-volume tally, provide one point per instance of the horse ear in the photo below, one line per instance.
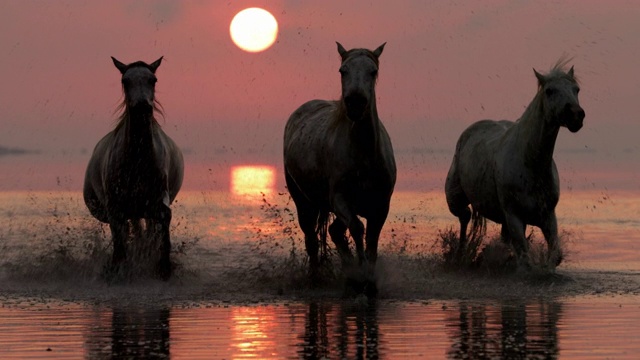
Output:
(341, 50)
(122, 67)
(154, 65)
(540, 77)
(378, 51)
(570, 71)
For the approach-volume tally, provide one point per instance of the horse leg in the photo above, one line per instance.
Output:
(119, 234)
(337, 230)
(464, 216)
(308, 220)
(140, 248)
(374, 227)
(550, 231)
(504, 235)
(151, 238)
(459, 206)
(345, 214)
(136, 228)
(164, 265)
(516, 229)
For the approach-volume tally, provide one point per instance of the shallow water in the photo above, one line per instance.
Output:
(237, 290)
(584, 328)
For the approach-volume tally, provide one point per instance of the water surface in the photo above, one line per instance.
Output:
(239, 293)
(572, 329)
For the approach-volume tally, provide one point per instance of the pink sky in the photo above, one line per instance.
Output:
(446, 64)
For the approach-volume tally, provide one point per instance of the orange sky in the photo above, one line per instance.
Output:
(446, 64)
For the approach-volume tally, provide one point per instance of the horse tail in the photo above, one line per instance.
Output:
(478, 226)
(322, 229)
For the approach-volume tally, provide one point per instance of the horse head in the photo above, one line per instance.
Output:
(138, 83)
(559, 96)
(359, 71)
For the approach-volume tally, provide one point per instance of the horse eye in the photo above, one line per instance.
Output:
(577, 90)
(153, 81)
(374, 72)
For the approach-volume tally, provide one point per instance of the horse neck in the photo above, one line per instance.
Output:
(537, 137)
(366, 131)
(138, 131)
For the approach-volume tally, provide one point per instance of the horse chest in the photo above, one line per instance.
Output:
(366, 183)
(533, 199)
(135, 185)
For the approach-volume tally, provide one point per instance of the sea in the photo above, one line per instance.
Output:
(240, 286)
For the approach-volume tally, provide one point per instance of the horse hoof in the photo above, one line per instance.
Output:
(113, 273)
(523, 266)
(358, 287)
(361, 281)
(165, 275)
(164, 270)
(371, 289)
(314, 277)
(557, 260)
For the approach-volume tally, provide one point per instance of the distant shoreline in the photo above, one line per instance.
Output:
(15, 151)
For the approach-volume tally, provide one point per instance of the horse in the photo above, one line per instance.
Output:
(506, 172)
(136, 170)
(338, 159)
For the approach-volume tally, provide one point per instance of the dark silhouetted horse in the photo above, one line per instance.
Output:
(136, 170)
(338, 159)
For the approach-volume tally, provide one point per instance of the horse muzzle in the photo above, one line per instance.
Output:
(575, 118)
(141, 106)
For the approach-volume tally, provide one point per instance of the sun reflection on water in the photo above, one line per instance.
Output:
(252, 181)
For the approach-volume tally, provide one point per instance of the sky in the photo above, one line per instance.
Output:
(446, 64)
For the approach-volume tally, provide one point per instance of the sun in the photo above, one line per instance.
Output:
(252, 181)
(253, 29)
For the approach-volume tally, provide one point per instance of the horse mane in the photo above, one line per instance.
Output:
(124, 113)
(559, 70)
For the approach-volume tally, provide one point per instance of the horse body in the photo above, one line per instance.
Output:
(136, 170)
(144, 180)
(505, 170)
(338, 159)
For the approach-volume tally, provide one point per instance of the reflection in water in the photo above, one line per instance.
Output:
(353, 333)
(579, 329)
(131, 333)
(514, 331)
(315, 340)
(250, 181)
(254, 331)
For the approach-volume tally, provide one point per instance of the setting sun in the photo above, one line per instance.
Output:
(251, 181)
(253, 29)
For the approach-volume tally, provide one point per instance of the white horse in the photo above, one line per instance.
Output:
(338, 158)
(505, 170)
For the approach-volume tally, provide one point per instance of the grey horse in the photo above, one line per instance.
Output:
(505, 170)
